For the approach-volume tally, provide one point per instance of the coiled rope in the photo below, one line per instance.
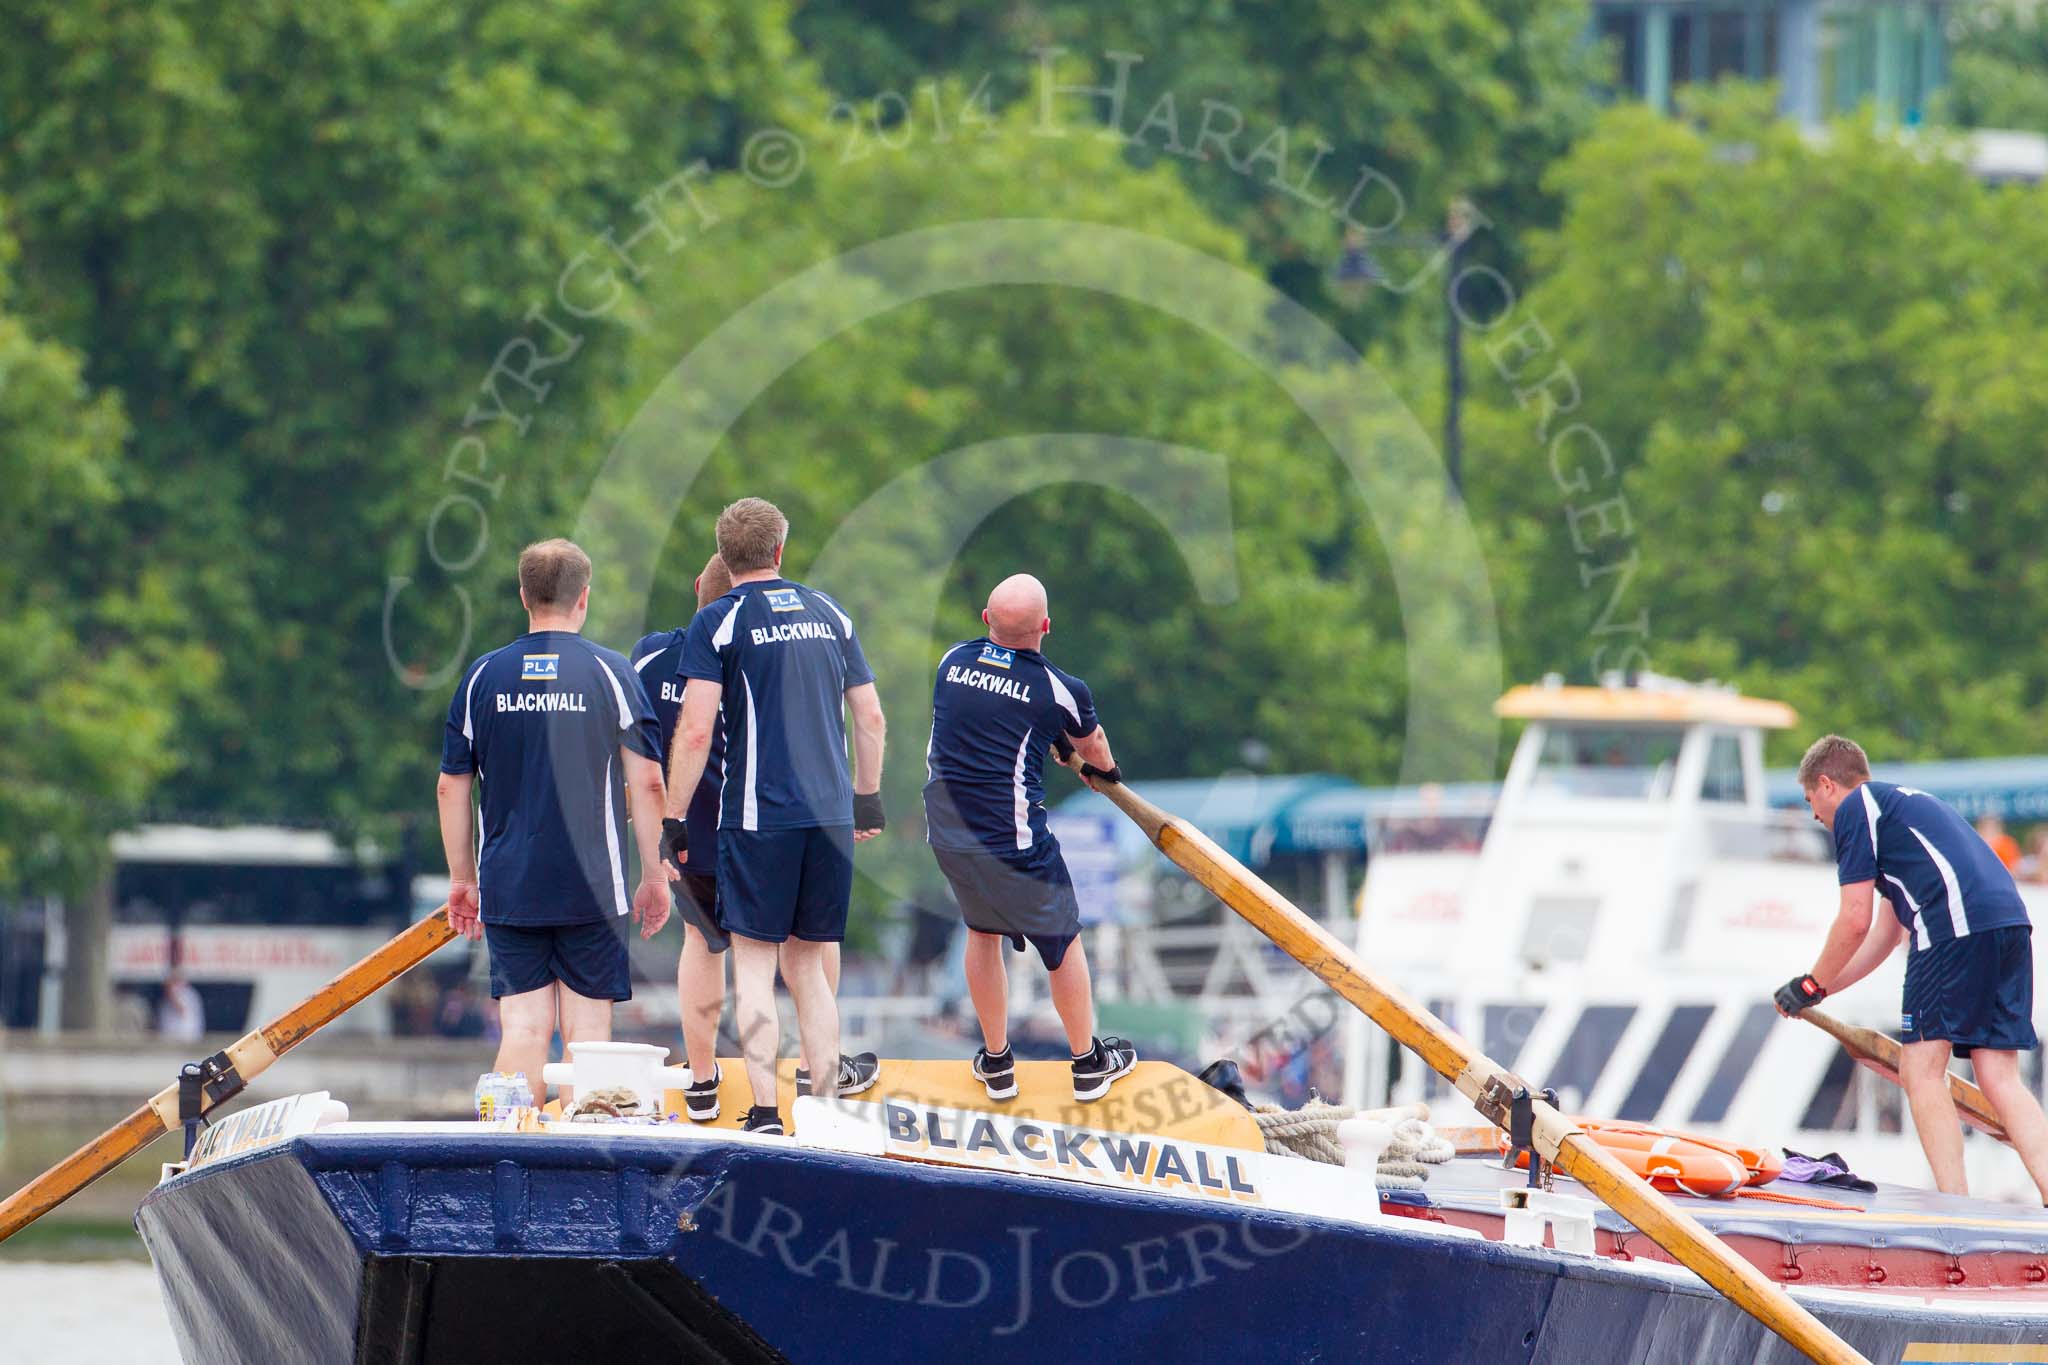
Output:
(1310, 1132)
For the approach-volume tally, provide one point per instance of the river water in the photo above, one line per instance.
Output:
(84, 1313)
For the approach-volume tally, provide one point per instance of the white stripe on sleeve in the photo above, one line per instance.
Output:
(1958, 920)
(722, 637)
(1064, 697)
(618, 691)
(469, 701)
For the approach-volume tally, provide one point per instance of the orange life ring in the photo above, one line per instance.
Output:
(1677, 1162)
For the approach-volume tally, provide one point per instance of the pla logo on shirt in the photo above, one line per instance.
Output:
(784, 599)
(540, 667)
(995, 656)
(1905, 1023)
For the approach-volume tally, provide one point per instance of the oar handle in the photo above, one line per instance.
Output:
(1880, 1053)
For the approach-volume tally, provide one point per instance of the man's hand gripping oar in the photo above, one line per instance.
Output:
(1488, 1085)
(227, 1072)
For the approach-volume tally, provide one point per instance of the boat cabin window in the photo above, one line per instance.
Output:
(1724, 780)
(1616, 763)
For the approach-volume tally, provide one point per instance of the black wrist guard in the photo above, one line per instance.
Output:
(1113, 773)
(867, 810)
(1798, 993)
(675, 839)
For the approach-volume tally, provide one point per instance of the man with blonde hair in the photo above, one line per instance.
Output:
(552, 724)
(700, 970)
(780, 662)
(1970, 965)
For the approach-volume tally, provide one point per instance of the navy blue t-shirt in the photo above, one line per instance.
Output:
(995, 711)
(1942, 879)
(656, 659)
(785, 655)
(541, 722)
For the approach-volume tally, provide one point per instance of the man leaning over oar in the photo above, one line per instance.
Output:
(1970, 965)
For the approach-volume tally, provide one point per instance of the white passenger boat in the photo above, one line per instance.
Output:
(1614, 924)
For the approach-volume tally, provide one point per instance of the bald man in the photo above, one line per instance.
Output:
(997, 707)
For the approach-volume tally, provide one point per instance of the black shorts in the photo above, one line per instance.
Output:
(697, 903)
(777, 884)
(589, 959)
(1975, 991)
(1022, 894)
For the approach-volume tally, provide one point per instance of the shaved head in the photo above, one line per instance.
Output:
(1016, 612)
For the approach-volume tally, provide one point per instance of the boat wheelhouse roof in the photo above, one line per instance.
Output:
(1658, 705)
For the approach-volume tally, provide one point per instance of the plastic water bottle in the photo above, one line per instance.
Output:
(498, 1093)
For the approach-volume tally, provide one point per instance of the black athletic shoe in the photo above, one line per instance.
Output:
(998, 1072)
(700, 1098)
(1103, 1063)
(764, 1119)
(856, 1073)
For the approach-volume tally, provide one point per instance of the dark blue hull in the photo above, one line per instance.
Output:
(370, 1247)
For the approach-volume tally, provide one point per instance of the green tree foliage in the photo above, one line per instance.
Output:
(93, 665)
(1998, 67)
(1819, 366)
(292, 239)
(1440, 97)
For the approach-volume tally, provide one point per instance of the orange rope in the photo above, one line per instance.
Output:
(1810, 1201)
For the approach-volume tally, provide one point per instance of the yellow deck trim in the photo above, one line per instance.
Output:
(1156, 1099)
(1938, 1353)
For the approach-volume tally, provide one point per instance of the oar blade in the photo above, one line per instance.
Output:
(78, 1170)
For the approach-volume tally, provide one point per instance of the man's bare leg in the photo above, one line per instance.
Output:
(1923, 1067)
(988, 986)
(805, 972)
(700, 996)
(584, 1020)
(526, 1026)
(1073, 995)
(2019, 1113)
(753, 986)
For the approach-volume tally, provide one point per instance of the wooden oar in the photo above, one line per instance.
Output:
(227, 1072)
(1488, 1085)
(1881, 1054)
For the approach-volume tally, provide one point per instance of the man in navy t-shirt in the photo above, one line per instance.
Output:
(780, 664)
(997, 706)
(700, 970)
(562, 737)
(1970, 966)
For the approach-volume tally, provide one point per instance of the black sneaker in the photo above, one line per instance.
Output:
(997, 1071)
(1101, 1064)
(856, 1073)
(700, 1098)
(763, 1118)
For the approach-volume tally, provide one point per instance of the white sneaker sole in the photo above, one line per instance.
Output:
(996, 1089)
(1096, 1087)
(696, 1117)
(804, 1086)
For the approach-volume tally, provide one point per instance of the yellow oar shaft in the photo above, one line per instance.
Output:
(249, 1056)
(1482, 1080)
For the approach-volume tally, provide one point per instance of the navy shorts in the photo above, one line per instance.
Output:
(589, 959)
(697, 903)
(1026, 895)
(1975, 991)
(777, 884)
